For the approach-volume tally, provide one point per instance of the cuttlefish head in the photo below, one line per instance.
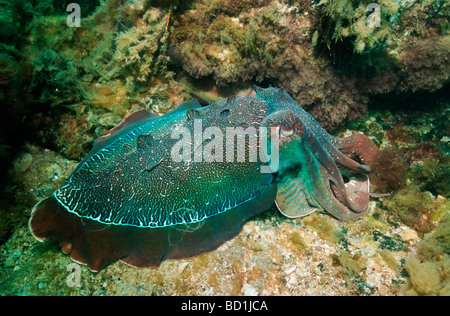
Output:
(308, 175)
(286, 132)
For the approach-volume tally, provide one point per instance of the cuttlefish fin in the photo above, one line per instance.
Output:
(130, 122)
(192, 104)
(293, 198)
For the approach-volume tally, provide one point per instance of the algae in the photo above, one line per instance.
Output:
(386, 242)
(325, 228)
(54, 79)
(429, 269)
(415, 208)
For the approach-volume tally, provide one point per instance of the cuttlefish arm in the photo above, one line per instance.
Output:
(309, 177)
(359, 145)
(325, 195)
(342, 149)
(312, 186)
(353, 194)
(317, 180)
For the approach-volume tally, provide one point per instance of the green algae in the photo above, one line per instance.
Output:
(349, 19)
(429, 269)
(55, 79)
(351, 267)
(298, 242)
(390, 260)
(416, 208)
(433, 175)
(355, 29)
(386, 242)
(325, 228)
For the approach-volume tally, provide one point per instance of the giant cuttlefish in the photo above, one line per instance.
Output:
(181, 184)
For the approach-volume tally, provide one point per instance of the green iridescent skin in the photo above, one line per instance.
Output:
(134, 181)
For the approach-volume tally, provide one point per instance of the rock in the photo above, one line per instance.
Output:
(249, 290)
(181, 267)
(409, 235)
(22, 162)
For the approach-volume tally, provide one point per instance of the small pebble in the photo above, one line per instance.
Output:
(22, 162)
(409, 234)
(249, 290)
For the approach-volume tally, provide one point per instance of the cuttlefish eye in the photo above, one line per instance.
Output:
(286, 131)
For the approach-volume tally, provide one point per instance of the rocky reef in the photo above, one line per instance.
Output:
(62, 87)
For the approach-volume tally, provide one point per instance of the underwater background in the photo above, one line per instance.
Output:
(62, 87)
